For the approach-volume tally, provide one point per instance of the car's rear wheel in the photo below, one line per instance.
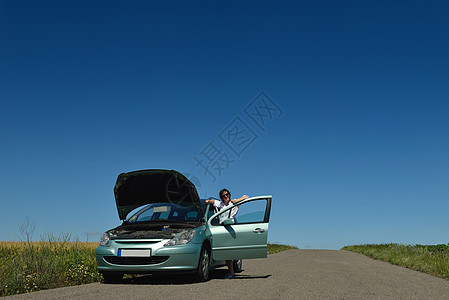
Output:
(203, 271)
(237, 266)
(112, 277)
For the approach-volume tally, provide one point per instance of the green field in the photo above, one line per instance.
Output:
(27, 267)
(430, 259)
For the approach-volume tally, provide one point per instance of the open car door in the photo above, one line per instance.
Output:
(244, 236)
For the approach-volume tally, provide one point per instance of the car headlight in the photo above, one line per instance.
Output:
(104, 241)
(181, 239)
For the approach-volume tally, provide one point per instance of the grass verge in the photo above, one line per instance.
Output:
(430, 259)
(57, 262)
(27, 267)
(275, 248)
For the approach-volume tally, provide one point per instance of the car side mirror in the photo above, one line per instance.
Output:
(229, 221)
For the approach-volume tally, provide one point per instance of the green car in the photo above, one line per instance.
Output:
(167, 228)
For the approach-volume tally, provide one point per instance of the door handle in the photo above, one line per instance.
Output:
(258, 230)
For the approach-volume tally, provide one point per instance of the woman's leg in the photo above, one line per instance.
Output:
(230, 267)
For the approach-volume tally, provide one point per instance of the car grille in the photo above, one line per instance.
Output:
(135, 260)
(137, 241)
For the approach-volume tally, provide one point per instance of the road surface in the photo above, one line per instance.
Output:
(292, 274)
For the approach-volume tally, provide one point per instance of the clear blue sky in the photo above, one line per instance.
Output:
(360, 153)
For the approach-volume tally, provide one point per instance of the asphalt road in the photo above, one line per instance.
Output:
(292, 274)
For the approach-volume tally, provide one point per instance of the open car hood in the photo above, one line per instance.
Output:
(137, 188)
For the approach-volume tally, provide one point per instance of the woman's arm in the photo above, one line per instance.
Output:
(234, 201)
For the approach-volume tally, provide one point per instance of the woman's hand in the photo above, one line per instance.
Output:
(209, 201)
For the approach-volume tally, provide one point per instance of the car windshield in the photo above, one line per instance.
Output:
(165, 212)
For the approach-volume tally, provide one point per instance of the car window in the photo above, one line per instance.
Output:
(144, 215)
(249, 212)
(192, 215)
(165, 211)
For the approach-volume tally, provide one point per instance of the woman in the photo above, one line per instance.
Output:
(225, 201)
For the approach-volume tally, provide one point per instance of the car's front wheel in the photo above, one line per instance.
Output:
(203, 271)
(237, 266)
(112, 277)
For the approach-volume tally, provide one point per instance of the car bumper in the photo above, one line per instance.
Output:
(172, 258)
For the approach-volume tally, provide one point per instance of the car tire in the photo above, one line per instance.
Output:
(112, 277)
(203, 271)
(237, 266)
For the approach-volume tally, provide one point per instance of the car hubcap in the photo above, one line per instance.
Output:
(239, 264)
(205, 264)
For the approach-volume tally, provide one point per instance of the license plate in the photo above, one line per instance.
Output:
(134, 252)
